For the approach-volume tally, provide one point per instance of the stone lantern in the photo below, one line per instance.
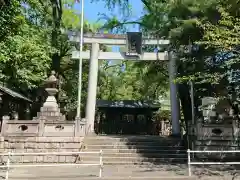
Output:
(50, 110)
(51, 88)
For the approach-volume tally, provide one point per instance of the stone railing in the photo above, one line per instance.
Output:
(44, 128)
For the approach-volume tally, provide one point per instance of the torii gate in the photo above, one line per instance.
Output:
(95, 54)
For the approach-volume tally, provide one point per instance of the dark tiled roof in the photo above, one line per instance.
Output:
(128, 104)
(13, 93)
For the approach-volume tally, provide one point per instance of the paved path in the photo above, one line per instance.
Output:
(115, 172)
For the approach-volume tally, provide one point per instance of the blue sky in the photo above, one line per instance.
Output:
(91, 10)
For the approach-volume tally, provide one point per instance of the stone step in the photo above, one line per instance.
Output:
(131, 137)
(113, 157)
(130, 160)
(144, 150)
(138, 146)
(132, 140)
(148, 143)
(149, 155)
(137, 163)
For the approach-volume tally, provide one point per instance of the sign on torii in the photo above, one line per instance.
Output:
(95, 54)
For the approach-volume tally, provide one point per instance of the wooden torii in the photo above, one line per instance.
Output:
(120, 40)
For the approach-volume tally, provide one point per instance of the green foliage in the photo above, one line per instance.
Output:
(24, 49)
(126, 80)
(10, 18)
(24, 59)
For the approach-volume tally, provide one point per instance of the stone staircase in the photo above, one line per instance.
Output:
(138, 157)
(134, 150)
(124, 157)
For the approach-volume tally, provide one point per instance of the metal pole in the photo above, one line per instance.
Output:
(192, 102)
(193, 114)
(8, 164)
(101, 163)
(189, 163)
(80, 65)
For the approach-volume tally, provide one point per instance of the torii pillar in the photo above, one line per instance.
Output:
(94, 55)
(92, 88)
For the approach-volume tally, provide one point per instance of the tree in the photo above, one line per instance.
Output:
(24, 53)
(33, 42)
(10, 18)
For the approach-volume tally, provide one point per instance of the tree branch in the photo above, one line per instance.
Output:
(147, 4)
(121, 24)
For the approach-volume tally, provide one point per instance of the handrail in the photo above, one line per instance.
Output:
(48, 153)
(208, 163)
(9, 154)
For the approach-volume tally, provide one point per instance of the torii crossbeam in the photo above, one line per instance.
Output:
(95, 54)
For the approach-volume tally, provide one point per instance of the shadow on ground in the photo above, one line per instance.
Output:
(158, 150)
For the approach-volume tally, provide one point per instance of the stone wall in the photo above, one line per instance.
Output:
(41, 144)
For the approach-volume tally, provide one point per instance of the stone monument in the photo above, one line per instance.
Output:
(215, 130)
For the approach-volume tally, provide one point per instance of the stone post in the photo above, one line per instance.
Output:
(92, 88)
(174, 95)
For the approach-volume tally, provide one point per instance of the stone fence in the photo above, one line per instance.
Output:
(45, 128)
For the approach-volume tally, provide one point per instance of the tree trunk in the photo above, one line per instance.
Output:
(184, 95)
(56, 32)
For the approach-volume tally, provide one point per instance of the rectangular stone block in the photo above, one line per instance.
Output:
(6, 145)
(1, 144)
(52, 145)
(19, 150)
(50, 159)
(69, 150)
(43, 109)
(29, 158)
(4, 159)
(21, 129)
(40, 145)
(39, 159)
(70, 159)
(17, 159)
(67, 130)
(70, 145)
(30, 145)
(16, 145)
(62, 159)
